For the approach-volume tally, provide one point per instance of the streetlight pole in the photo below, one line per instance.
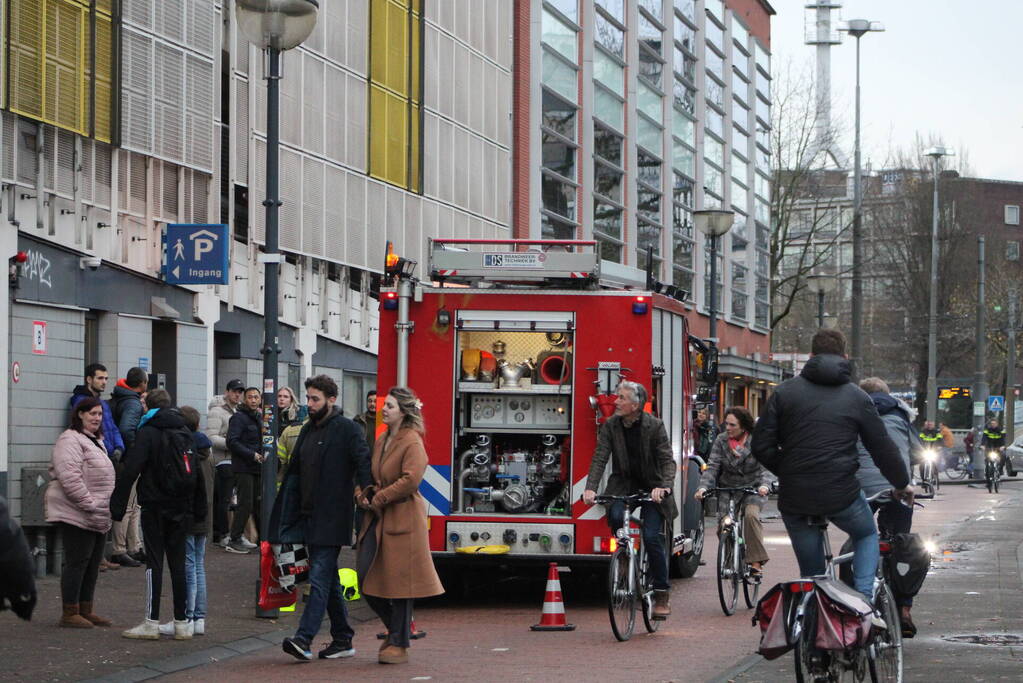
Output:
(932, 322)
(273, 26)
(713, 223)
(856, 28)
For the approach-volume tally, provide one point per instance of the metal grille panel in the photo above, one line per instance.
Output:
(241, 50)
(334, 89)
(170, 192)
(202, 24)
(138, 12)
(395, 219)
(87, 184)
(356, 223)
(65, 163)
(312, 207)
(169, 85)
(49, 162)
(137, 184)
(257, 215)
(333, 17)
(376, 216)
(312, 104)
(291, 196)
(136, 90)
(103, 173)
(336, 233)
(356, 128)
(170, 20)
(7, 146)
(199, 114)
(241, 136)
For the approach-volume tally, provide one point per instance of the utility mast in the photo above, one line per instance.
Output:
(821, 30)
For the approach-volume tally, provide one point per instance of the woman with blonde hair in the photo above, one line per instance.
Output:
(290, 411)
(394, 561)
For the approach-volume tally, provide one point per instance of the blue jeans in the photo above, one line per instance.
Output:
(195, 576)
(653, 539)
(856, 520)
(324, 596)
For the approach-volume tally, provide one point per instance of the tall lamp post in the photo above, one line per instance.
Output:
(821, 285)
(935, 153)
(272, 26)
(857, 28)
(713, 223)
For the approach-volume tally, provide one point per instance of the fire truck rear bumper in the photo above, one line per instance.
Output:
(446, 558)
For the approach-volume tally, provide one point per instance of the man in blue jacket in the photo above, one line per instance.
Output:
(96, 379)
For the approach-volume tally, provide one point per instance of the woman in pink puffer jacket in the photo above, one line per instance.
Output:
(78, 501)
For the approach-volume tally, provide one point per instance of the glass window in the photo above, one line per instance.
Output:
(739, 167)
(763, 57)
(740, 142)
(607, 107)
(610, 251)
(649, 235)
(558, 35)
(715, 34)
(570, 8)
(763, 85)
(559, 76)
(716, 9)
(559, 115)
(653, 7)
(740, 34)
(607, 219)
(740, 114)
(684, 97)
(714, 151)
(651, 67)
(685, 34)
(683, 159)
(558, 196)
(609, 72)
(685, 65)
(683, 280)
(650, 35)
(683, 128)
(607, 145)
(762, 185)
(687, 8)
(1012, 214)
(715, 92)
(740, 195)
(762, 211)
(558, 155)
(715, 122)
(740, 62)
(650, 102)
(763, 312)
(616, 8)
(763, 136)
(763, 111)
(609, 36)
(682, 191)
(740, 88)
(649, 168)
(763, 258)
(682, 251)
(554, 228)
(740, 304)
(648, 203)
(649, 135)
(715, 64)
(607, 181)
(763, 240)
(713, 179)
(763, 287)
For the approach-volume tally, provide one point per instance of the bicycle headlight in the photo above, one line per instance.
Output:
(992, 455)
(727, 520)
(930, 455)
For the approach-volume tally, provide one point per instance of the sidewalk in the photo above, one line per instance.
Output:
(970, 611)
(41, 651)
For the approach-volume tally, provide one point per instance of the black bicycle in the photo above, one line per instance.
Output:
(992, 469)
(628, 575)
(732, 565)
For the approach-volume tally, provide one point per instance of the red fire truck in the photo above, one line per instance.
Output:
(515, 352)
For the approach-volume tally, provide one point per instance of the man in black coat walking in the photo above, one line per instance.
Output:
(807, 436)
(315, 506)
(245, 443)
(17, 577)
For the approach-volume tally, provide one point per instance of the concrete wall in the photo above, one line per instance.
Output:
(39, 408)
(123, 340)
(192, 369)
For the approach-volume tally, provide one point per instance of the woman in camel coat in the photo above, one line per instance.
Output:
(394, 559)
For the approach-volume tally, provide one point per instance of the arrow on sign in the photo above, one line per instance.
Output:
(176, 271)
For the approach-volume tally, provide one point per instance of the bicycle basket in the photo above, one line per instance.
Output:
(843, 616)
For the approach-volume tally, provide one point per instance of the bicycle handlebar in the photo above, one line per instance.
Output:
(641, 497)
(736, 489)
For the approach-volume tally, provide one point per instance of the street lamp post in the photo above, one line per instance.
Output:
(713, 223)
(857, 28)
(273, 26)
(821, 284)
(935, 153)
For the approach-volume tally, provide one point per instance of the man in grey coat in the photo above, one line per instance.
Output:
(638, 447)
(221, 409)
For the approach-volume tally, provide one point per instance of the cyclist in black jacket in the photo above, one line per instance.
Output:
(807, 437)
(994, 439)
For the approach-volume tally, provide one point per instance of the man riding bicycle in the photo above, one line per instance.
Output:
(993, 439)
(807, 437)
(638, 447)
(932, 438)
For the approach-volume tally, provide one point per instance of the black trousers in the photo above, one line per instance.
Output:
(165, 536)
(223, 487)
(83, 551)
(395, 613)
(246, 484)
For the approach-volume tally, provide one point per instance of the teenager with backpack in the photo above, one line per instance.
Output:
(172, 494)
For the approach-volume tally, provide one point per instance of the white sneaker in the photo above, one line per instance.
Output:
(224, 541)
(199, 627)
(182, 629)
(247, 543)
(167, 629)
(147, 630)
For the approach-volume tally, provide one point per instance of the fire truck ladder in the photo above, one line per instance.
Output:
(566, 263)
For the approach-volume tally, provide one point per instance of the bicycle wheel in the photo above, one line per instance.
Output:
(957, 470)
(996, 478)
(988, 475)
(885, 663)
(935, 482)
(728, 577)
(808, 666)
(621, 598)
(750, 583)
(646, 596)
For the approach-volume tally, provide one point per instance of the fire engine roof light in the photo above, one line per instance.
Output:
(640, 306)
(390, 301)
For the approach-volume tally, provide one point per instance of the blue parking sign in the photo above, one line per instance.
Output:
(995, 404)
(197, 254)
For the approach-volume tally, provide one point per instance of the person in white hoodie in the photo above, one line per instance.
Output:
(221, 408)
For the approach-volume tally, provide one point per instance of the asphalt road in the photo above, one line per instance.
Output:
(480, 631)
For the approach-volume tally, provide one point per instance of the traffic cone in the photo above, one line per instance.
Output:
(553, 617)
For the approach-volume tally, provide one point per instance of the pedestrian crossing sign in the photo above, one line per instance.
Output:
(996, 404)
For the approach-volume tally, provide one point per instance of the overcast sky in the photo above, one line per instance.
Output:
(946, 68)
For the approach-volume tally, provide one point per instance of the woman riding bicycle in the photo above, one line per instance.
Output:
(731, 465)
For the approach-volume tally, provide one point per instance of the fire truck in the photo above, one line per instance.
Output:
(516, 349)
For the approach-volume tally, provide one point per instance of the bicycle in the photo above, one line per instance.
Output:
(992, 470)
(929, 471)
(959, 467)
(732, 566)
(882, 657)
(628, 579)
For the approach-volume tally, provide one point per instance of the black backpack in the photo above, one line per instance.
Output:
(177, 465)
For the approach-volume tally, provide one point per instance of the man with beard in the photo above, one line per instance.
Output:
(315, 505)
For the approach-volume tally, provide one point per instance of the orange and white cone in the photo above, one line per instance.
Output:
(553, 617)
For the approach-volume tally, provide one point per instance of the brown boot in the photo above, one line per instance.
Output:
(71, 617)
(85, 610)
(392, 654)
(662, 610)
